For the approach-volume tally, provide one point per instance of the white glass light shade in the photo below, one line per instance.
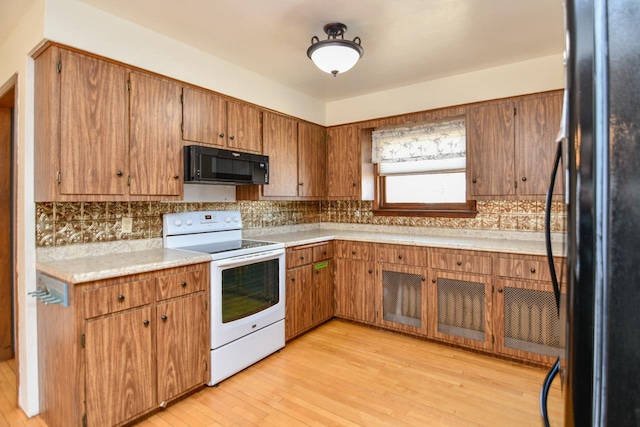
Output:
(335, 56)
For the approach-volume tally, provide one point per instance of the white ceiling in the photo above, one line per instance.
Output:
(404, 41)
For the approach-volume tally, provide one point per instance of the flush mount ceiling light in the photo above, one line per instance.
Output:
(335, 55)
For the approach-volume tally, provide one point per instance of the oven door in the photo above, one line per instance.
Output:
(247, 294)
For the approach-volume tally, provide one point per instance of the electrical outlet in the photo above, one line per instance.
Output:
(126, 226)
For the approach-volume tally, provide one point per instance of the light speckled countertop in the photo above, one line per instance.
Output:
(84, 263)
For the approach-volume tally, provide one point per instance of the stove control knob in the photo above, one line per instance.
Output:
(189, 222)
(177, 222)
(227, 220)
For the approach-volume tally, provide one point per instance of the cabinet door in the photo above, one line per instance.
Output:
(204, 117)
(403, 298)
(323, 305)
(93, 126)
(355, 290)
(490, 150)
(244, 127)
(312, 160)
(182, 345)
(343, 163)
(280, 144)
(119, 367)
(538, 120)
(155, 144)
(526, 320)
(299, 301)
(462, 309)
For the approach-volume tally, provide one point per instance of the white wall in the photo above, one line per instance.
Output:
(536, 75)
(15, 58)
(77, 24)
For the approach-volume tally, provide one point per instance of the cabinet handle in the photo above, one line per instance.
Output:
(524, 178)
(474, 180)
(459, 262)
(399, 256)
(370, 271)
(232, 137)
(176, 176)
(533, 270)
(119, 173)
(500, 290)
(145, 322)
(183, 284)
(221, 135)
(120, 297)
(301, 184)
(433, 280)
(164, 317)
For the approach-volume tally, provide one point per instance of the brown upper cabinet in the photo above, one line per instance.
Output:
(104, 132)
(297, 158)
(213, 120)
(344, 162)
(511, 147)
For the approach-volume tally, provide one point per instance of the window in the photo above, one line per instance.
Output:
(420, 169)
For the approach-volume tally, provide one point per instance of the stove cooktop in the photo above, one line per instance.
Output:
(228, 246)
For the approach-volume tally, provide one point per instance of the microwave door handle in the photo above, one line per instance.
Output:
(239, 260)
(547, 226)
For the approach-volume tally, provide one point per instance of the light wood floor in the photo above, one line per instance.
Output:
(343, 374)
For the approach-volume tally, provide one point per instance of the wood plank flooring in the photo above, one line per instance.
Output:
(342, 374)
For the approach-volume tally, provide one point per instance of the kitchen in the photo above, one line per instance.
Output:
(65, 22)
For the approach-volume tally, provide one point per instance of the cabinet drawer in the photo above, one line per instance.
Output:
(530, 269)
(299, 256)
(355, 250)
(323, 251)
(114, 298)
(461, 262)
(403, 255)
(178, 284)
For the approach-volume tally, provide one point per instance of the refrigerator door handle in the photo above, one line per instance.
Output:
(544, 393)
(547, 226)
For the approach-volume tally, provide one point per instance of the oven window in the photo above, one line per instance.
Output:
(249, 289)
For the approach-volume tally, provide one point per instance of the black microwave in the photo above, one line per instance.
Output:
(206, 165)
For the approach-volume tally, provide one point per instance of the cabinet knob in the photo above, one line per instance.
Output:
(353, 252)
(459, 262)
(324, 252)
(474, 180)
(145, 322)
(533, 270)
(183, 284)
(119, 173)
(293, 279)
(399, 256)
(164, 317)
(524, 178)
(433, 280)
(301, 257)
(232, 137)
(176, 176)
(221, 135)
(121, 297)
(354, 185)
(301, 184)
(500, 290)
(370, 271)
(423, 278)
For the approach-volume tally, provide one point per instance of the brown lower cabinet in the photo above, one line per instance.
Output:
(124, 346)
(309, 287)
(355, 281)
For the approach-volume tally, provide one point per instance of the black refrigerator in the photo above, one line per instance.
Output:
(601, 370)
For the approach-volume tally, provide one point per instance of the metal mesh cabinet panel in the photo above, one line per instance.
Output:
(531, 321)
(461, 308)
(402, 298)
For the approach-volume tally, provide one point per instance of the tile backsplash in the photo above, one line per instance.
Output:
(66, 223)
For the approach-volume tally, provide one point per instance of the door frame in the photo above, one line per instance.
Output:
(12, 83)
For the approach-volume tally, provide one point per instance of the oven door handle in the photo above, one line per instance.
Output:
(242, 259)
